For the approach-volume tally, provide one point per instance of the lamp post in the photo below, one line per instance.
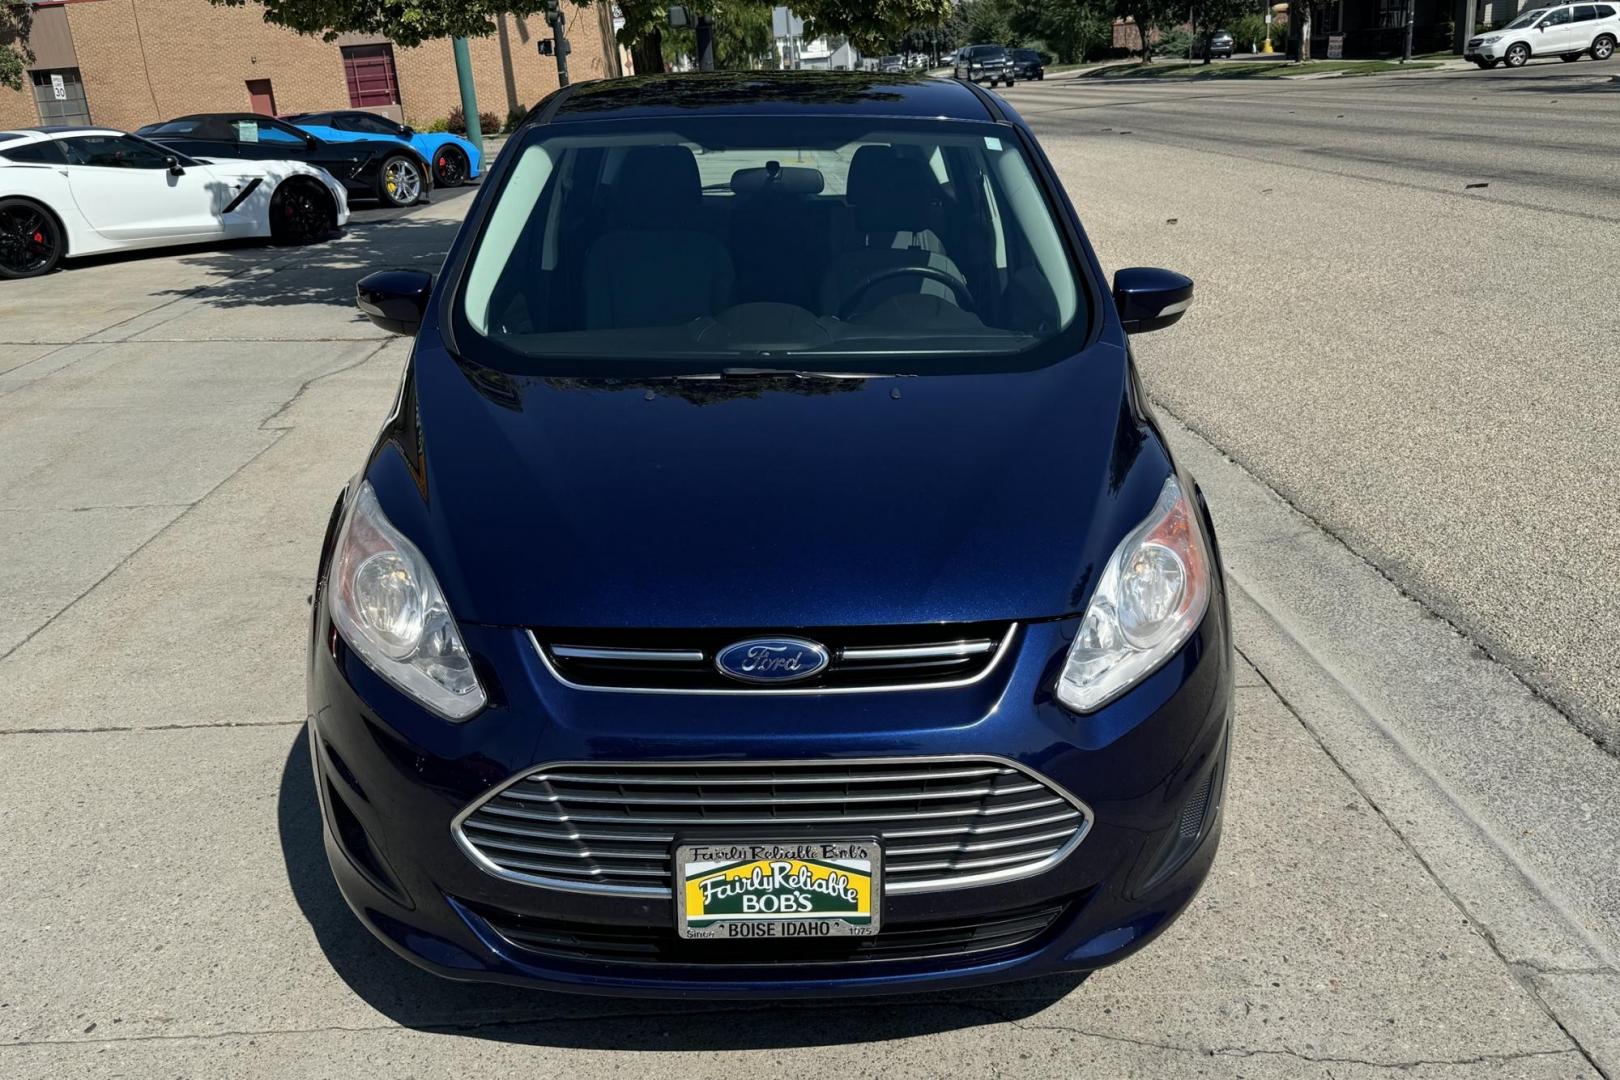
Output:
(469, 93)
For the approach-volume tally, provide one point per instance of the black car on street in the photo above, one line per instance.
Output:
(384, 169)
(1028, 64)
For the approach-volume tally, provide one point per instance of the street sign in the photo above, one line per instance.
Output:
(58, 88)
(1335, 46)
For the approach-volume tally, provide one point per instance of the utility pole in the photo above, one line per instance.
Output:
(1465, 30)
(559, 39)
(1407, 54)
(469, 94)
(705, 43)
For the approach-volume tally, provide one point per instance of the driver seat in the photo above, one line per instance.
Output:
(896, 202)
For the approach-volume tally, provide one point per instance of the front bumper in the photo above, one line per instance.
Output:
(1493, 51)
(392, 778)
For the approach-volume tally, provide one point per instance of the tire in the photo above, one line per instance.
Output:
(32, 241)
(1569, 57)
(450, 167)
(1603, 47)
(400, 181)
(1484, 65)
(1517, 54)
(301, 212)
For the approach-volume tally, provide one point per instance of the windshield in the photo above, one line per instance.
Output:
(1526, 19)
(828, 241)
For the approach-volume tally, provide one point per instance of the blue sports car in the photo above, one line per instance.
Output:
(771, 579)
(455, 160)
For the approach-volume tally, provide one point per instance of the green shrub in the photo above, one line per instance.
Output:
(1173, 43)
(433, 127)
(513, 119)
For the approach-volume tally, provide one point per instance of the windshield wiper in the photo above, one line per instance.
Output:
(777, 373)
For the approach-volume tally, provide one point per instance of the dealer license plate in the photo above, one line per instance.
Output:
(797, 889)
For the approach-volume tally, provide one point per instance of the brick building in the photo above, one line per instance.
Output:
(124, 63)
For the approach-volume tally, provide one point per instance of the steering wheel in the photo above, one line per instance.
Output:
(958, 287)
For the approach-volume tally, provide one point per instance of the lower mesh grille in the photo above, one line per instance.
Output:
(643, 945)
(942, 822)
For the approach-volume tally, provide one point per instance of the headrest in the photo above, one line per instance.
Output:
(658, 187)
(891, 193)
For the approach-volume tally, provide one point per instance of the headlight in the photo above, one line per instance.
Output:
(1488, 40)
(1152, 596)
(390, 610)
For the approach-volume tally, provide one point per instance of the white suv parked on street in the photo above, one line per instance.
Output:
(1565, 31)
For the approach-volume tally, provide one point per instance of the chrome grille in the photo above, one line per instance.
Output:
(862, 658)
(944, 823)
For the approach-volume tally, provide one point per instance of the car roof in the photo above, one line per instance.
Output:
(770, 93)
(57, 131)
(219, 116)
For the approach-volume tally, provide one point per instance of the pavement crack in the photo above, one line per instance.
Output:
(114, 729)
(268, 423)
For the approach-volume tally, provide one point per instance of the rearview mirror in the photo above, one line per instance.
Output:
(1151, 299)
(395, 299)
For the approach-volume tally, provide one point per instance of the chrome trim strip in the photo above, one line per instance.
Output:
(989, 877)
(847, 798)
(654, 656)
(995, 662)
(687, 781)
(961, 649)
(743, 822)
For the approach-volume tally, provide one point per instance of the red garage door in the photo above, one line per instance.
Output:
(369, 70)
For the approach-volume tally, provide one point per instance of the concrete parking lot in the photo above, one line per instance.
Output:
(1417, 874)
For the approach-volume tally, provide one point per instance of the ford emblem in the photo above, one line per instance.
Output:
(771, 660)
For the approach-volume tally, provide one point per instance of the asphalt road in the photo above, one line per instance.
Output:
(1416, 873)
(1406, 323)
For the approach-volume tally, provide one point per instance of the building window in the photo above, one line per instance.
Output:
(1391, 13)
(369, 70)
(60, 96)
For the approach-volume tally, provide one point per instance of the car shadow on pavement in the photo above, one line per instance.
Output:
(415, 999)
(267, 276)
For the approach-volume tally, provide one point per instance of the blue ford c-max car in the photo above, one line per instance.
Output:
(770, 579)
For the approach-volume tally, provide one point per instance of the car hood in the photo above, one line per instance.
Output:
(775, 502)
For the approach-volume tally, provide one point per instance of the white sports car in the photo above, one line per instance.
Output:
(85, 190)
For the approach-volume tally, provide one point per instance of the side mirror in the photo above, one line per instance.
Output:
(395, 299)
(174, 166)
(407, 131)
(1151, 299)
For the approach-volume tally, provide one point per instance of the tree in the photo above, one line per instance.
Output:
(867, 23)
(1209, 16)
(406, 22)
(15, 22)
(742, 36)
(1149, 15)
